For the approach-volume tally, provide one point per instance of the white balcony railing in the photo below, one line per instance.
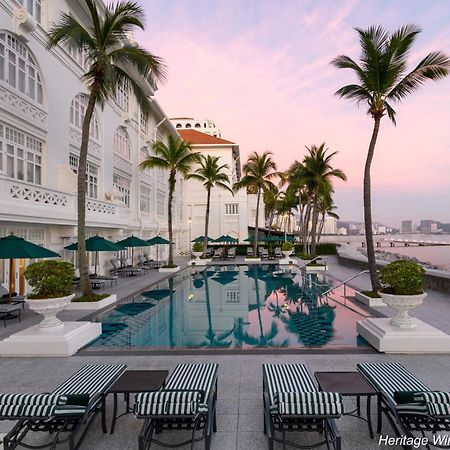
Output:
(27, 201)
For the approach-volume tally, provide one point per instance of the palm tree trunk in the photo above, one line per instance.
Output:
(85, 284)
(306, 226)
(172, 181)
(208, 205)
(255, 241)
(315, 216)
(368, 209)
(322, 223)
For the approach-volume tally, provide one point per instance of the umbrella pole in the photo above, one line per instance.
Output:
(157, 252)
(12, 276)
(132, 256)
(96, 262)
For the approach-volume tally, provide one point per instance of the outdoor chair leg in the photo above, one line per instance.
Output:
(105, 430)
(379, 415)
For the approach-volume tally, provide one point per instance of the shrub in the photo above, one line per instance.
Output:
(327, 248)
(169, 266)
(90, 298)
(403, 277)
(49, 279)
(371, 294)
(287, 246)
(197, 247)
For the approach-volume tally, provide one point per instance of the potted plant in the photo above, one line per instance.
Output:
(403, 290)
(51, 283)
(197, 250)
(287, 249)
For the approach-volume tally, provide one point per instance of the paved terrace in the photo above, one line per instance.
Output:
(240, 418)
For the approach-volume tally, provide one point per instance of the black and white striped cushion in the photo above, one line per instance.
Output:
(430, 403)
(287, 378)
(92, 379)
(186, 389)
(192, 377)
(168, 403)
(37, 405)
(32, 399)
(391, 377)
(307, 403)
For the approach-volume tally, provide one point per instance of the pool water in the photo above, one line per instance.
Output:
(230, 307)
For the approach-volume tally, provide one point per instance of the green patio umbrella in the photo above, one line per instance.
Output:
(225, 239)
(132, 242)
(97, 244)
(158, 240)
(14, 247)
(201, 239)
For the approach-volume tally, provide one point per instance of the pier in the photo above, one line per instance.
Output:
(415, 242)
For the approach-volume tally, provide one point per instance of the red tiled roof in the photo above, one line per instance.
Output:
(197, 138)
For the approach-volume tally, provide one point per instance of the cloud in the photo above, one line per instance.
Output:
(261, 70)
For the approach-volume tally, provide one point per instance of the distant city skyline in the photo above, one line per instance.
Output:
(260, 70)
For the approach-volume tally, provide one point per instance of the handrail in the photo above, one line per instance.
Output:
(344, 283)
(309, 261)
(329, 297)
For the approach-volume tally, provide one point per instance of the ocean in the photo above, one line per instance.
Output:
(434, 255)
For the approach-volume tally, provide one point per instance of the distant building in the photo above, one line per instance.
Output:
(204, 126)
(342, 231)
(330, 226)
(427, 226)
(407, 226)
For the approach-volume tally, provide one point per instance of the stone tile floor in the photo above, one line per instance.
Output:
(239, 408)
(240, 419)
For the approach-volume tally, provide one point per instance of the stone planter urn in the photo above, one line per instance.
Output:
(287, 253)
(49, 307)
(197, 255)
(402, 304)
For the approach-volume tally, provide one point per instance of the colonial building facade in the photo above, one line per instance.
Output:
(42, 104)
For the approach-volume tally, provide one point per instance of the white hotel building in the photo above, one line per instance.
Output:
(42, 100)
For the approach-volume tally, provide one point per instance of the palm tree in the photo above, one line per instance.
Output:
(270, 198)
(211, 175)
(258, 170)
(326, 208)
(383, 79)
(318, 174)
(111, 62)
(177, 157)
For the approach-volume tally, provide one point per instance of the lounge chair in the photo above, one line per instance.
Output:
(408, 404)
(292, 402)
(15, 299)
(218, 253)
(187, 402)
(118, 269)
(68, 409)
(7, 311)
(263, 253)
(209, 252)
(278, 253)
(249, 251)
(231, 253)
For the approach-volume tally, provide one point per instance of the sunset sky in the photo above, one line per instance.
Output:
(261, 70)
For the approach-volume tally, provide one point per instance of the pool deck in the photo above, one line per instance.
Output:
(240, 419)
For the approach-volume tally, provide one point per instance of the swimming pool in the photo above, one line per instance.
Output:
(231, 307)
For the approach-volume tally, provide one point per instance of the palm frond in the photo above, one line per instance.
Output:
(152, 162)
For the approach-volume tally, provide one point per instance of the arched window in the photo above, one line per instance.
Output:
(34, 8)
(197, 125)
(18, 68)
(178, 125)
(122, 143)
(77, 111)
(144, 153)
(123, 94)
(188, 125)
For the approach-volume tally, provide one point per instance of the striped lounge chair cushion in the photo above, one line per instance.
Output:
(430, 403)
(287, 378)
(168, 403)
(307, 403)
(92, 379)
(193, 377)
(187, 389)
(390, 378)
(38, 405)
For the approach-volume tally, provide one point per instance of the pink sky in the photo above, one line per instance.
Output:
(261, 70)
